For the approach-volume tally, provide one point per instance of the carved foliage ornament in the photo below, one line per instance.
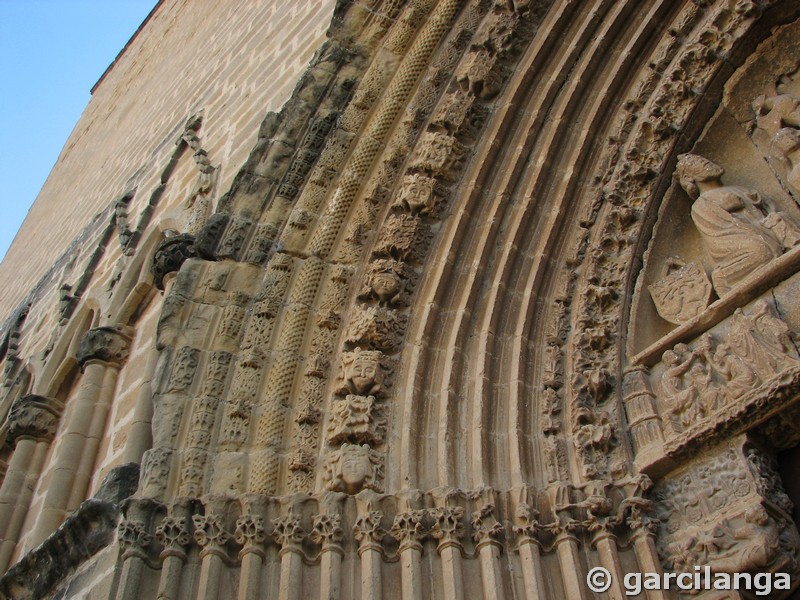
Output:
(106, 344)
(34, 417)
(170, 255)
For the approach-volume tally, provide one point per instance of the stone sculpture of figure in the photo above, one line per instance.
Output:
(739, 376)
(682, 395)
(762, 339)
(785, 146)
(750, 547)
(737, 232)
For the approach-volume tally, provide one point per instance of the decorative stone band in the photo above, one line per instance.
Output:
(34, 417)
(106, 344)
(170, 255)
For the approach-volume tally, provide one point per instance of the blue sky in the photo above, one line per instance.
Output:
(51, 54)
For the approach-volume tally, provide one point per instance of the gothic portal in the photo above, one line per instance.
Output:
(506, 291)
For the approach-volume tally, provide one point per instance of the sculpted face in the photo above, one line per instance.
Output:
(363, 373)
(386, 286)
(355, 465)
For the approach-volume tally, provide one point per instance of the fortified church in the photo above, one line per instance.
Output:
(413, 299)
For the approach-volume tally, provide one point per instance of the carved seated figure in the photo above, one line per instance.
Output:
(739, 233)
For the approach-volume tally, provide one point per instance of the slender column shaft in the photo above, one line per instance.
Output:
(131, 576)
(250, 578)
(330, 574)
(210, 574)
(530, 555)
(16, 493)
(411, 568)
(490, 571)
(609, 558)
(140, 438)
(170, 583)
(94, 434)
(647, 555)
(371, 561)
(70, 451)
(567, 550)
(452, 576)
(291, 571)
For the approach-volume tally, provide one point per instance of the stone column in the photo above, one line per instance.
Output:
(644, 546)
(604, 540)
(250, 534)
(133, 541)
(408, 530)
(486, 533)
(368, 534)
(646, 427)
(32, 426)
(101, 354)
(327, 532)
(210, 534)
(448, 529)
(140, 436)
(173, 534)
(530, 552)
(289, 534)
(567, 547)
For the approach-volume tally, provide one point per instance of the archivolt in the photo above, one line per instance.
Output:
(517, 339)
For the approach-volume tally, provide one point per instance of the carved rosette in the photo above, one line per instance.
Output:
(171, 253)
(34, 417)
(109, 345)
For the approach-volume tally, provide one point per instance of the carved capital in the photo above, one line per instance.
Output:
(173, 534)
(133, 537)
(448, 526)
(107, 344)
(485, 527)
(210, 533)
(368, 531)
(34, 417)
(288, 533)
(250, 534)
(529, 530)
(170, 255)
(408, 530)
(327, 532)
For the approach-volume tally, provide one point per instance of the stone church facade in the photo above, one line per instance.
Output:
(413, 299)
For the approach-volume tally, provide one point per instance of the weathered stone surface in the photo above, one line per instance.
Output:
(507, 291)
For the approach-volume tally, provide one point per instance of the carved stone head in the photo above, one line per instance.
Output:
(693, 168)
(362, 371)
(352, 468)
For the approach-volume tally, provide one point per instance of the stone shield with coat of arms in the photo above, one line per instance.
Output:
(682, 294)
